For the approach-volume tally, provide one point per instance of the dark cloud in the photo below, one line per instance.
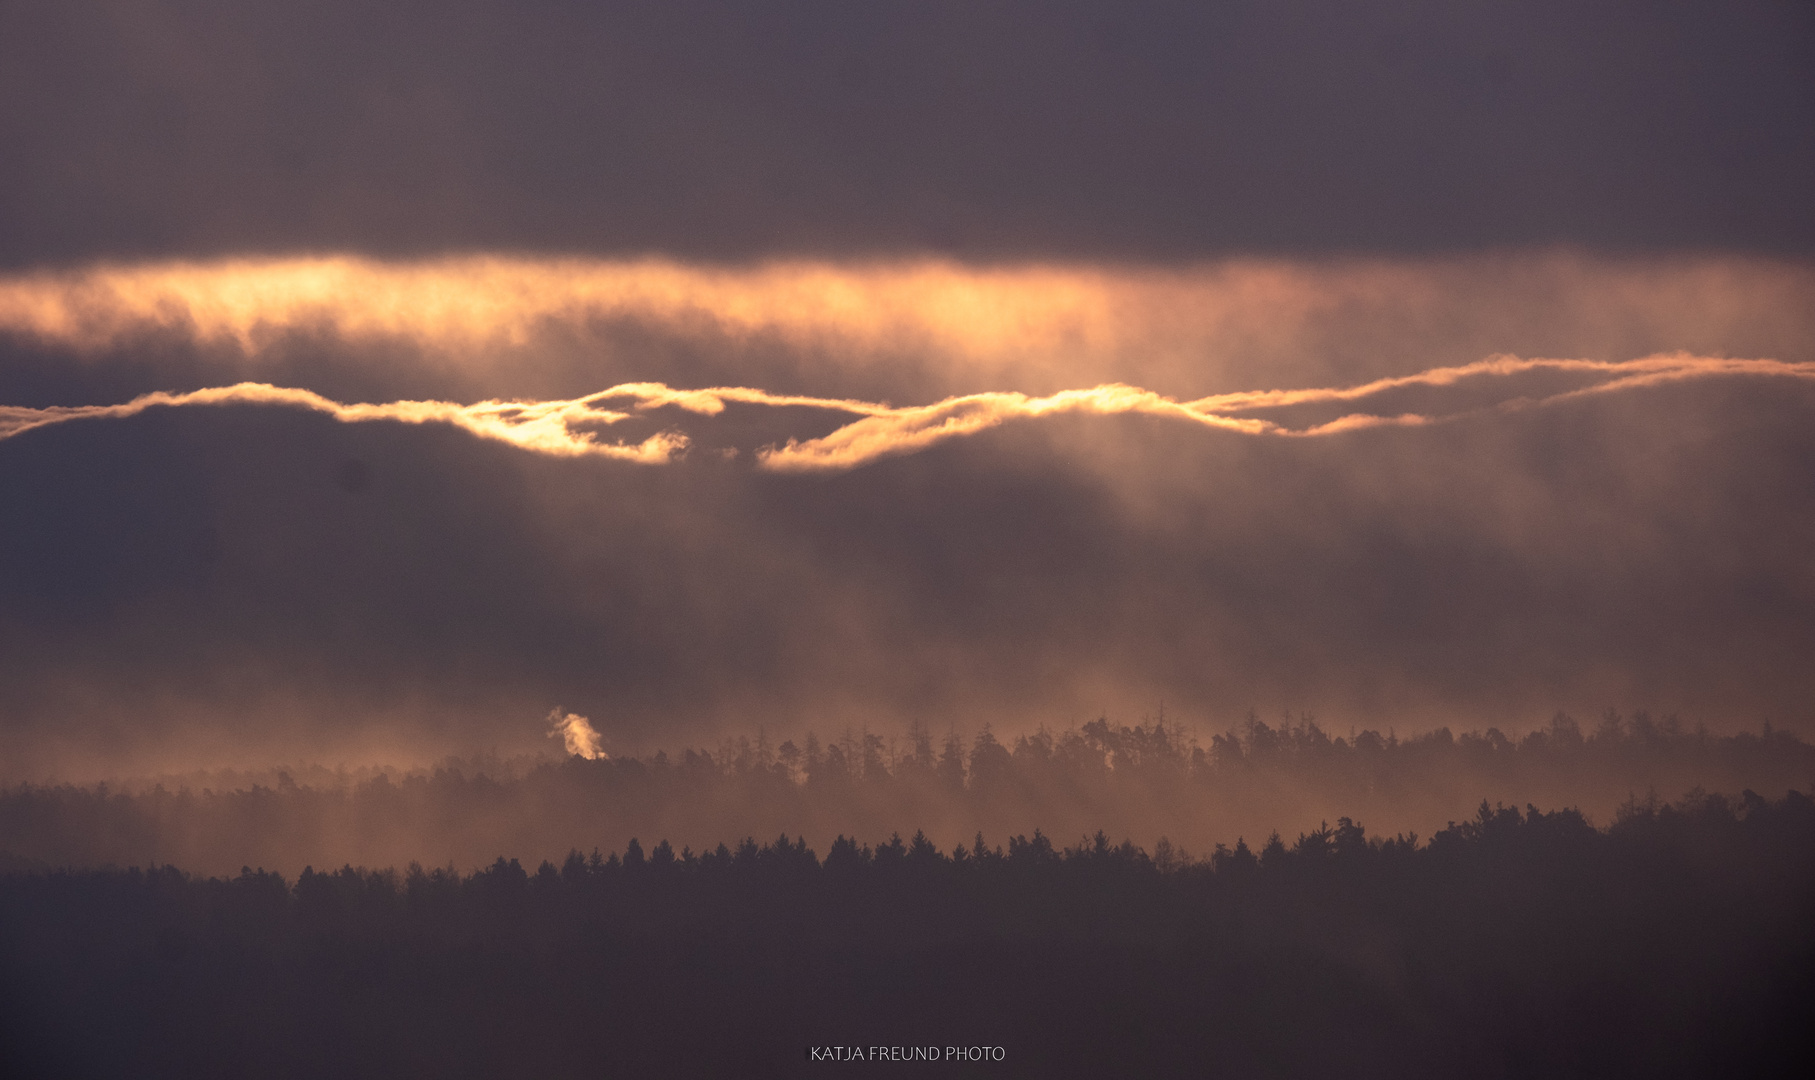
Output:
(985, 130)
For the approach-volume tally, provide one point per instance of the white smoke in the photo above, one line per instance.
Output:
(577, 734)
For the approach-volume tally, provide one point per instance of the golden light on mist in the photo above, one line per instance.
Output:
(563, 428)
(545, 427)
(462, 303)
(1056, 325)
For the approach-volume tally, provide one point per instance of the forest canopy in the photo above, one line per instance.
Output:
(1674, 942)
(1141, 781)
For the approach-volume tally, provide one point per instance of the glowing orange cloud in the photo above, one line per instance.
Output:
(1054, 324)
(483, 301)
(547, 427)
(897, 431)
(563, 428)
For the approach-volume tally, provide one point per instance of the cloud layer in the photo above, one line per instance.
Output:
(525, 330)
(1145, 130)
(566, 428)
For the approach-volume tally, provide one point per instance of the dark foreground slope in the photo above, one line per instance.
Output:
(1678, 942)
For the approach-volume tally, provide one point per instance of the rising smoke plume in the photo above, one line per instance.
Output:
(577, 735)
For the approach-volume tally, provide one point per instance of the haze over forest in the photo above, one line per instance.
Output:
(1147, 784)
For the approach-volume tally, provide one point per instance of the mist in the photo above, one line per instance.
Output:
(393, 594)
(1154, 785)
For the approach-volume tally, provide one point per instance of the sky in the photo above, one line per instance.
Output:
(375, 381)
